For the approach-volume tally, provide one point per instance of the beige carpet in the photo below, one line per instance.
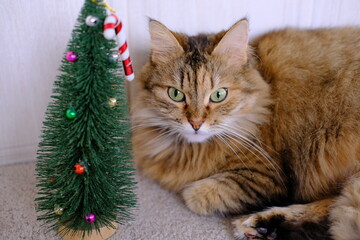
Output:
(160, 216)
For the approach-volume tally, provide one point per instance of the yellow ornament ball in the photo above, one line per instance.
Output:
(58, 210)
(112, 102)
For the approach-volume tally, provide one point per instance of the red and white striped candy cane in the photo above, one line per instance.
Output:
(109, 26)
(112, 28)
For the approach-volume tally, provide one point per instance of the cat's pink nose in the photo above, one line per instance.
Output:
(196, 124)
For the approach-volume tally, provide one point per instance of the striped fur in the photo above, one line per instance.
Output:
(288, 131)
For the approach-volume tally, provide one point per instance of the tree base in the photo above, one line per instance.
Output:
(102, 234)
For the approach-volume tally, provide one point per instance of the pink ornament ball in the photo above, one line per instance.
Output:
(90, 218)
(71, 56)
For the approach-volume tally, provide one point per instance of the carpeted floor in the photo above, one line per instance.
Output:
(161, 215)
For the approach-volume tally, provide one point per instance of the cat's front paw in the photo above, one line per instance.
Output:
(203, 197)
(283, 223)
(253, 227)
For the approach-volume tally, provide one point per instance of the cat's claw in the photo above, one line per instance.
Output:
(262, 230)
(245, 229)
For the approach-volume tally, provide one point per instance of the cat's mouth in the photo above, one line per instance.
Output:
(197, 136)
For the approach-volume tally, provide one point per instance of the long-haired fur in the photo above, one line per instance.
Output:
(286, 133)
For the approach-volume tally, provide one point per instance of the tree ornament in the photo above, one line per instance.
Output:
(109, 26)
(113, 27)
(58, 210)
(79, 169)
(114, 56)
(71, 56)
(112, 102)
(92, 21)
(71, 113)
(90, 218)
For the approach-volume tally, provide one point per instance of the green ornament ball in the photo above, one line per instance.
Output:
(71, 113)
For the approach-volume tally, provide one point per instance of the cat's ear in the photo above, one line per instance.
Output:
(164, 45)
(234, 44)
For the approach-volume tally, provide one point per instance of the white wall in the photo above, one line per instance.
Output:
(34, 34)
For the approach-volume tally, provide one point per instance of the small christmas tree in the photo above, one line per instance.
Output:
(84, 171)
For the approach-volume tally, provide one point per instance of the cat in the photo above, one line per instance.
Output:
(266, 131)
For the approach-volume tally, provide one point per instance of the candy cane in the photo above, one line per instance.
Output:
(112, 28)
(109, 26)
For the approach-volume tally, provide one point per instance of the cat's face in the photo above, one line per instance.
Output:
(200, 87)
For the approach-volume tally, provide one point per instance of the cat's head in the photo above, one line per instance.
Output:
(197, 88)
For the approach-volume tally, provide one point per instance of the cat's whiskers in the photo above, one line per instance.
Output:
(145, 125)
(246, 146)
(163, 128)
(258, 140)
(248, 133)
(257, 147)
(268, 163)
(158, 122)
(162, 138)
(250, 145)
(249, 141)
(170, 131)
(153, 129)
(222, 139)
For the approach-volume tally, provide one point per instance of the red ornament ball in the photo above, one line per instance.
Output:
(79, 169)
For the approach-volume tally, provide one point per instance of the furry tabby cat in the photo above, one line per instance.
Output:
(268, 131)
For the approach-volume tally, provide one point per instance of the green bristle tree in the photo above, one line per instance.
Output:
(84, 159)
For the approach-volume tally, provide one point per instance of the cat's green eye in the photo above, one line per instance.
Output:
(176, 95)
(219, 95)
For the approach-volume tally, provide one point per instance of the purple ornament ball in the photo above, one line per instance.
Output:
(71, 56)
(90, 218)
